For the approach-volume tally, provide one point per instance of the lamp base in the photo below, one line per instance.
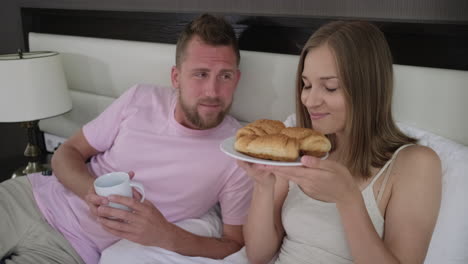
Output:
(32, 167)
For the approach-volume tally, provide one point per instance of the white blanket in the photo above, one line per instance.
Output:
(126, 252)
(210, 225)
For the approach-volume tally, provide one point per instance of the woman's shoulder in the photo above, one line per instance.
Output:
(419, 162)
(418, 154)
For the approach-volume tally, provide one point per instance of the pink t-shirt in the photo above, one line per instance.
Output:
(183, 170)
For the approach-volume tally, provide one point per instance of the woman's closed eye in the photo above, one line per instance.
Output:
(331, 89)
(331, 84)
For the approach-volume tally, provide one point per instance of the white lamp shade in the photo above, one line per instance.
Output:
(33, 87)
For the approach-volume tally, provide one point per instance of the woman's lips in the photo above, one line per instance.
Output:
(317, 116)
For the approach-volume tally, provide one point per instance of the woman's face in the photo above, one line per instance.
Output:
(321, 94)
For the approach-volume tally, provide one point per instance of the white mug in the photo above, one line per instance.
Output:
(118, 183)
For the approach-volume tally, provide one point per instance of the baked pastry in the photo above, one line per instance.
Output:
(312, 142)
(261, 127)
(273, 147)
(270, 139)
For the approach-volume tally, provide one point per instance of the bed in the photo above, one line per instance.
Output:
(106, 52)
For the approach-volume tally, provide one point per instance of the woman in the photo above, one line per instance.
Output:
(377, 196)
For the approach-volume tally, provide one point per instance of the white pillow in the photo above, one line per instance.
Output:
(449, 244)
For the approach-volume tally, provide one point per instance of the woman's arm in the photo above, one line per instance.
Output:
(264, 231)
(410, 216)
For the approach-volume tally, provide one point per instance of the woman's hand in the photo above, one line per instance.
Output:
(258, 173)
(323, 180)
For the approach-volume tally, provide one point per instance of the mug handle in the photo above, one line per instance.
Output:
(140, 188)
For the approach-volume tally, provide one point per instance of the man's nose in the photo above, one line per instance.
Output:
(211, 88)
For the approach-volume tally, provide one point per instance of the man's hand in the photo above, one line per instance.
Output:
(94, 201)
(144, 224)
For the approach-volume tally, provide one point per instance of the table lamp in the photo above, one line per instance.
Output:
(32, 87)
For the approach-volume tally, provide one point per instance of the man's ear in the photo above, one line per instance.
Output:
(175, 75)
(238, 76)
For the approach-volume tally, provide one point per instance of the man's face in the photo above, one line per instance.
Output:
(206, 79)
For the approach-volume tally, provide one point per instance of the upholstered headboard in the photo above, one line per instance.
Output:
(431, 70)
(99, 70)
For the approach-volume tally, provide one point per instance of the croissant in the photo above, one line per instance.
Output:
(273, 147)
(270, 139)
(261, 127)
(312, 142)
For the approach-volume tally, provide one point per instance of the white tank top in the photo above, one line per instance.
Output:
(314, 232)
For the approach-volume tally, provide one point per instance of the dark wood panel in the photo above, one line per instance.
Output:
(419, 43)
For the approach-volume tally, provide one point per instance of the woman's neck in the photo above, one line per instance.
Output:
(340, 155)
(340, 149)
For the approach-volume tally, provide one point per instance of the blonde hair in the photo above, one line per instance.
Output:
(365, 71)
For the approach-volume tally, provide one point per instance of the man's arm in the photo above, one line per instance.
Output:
(193, 245)
(69, 164)
(146, 225)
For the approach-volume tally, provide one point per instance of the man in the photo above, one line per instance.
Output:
(168, 139)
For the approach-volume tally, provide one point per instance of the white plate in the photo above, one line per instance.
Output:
(227, 146)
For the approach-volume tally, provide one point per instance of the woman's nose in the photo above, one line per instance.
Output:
(314, 98)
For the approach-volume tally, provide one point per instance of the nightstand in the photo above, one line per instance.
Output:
(8, 165)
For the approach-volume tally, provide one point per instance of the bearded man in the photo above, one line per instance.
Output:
(168, 140)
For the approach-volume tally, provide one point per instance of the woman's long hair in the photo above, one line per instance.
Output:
(365, 72)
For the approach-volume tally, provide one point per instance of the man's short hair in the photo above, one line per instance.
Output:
(212, 30)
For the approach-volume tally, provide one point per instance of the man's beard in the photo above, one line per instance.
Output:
(192, 115)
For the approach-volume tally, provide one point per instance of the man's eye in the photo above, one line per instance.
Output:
(227, 76)
(201, 74)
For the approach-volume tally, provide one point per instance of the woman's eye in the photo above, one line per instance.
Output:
(305, 87)
(330, 89)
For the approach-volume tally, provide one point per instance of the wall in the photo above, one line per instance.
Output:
(12, 138)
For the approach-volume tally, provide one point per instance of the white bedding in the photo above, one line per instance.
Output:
(147, 255)
(209, 225)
